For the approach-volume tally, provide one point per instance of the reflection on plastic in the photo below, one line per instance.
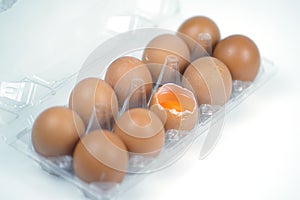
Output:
(202, 47)
(6, 4)
(16, 94)
(215, 130)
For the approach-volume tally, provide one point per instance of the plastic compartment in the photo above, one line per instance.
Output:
(22, 107)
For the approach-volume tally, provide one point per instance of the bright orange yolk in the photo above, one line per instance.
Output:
(172, 105)
(169, 101)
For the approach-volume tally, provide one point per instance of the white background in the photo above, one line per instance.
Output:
(258, 156)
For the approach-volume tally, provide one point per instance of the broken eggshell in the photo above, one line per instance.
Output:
(176, 106)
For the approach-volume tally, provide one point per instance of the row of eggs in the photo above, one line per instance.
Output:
(102, 154)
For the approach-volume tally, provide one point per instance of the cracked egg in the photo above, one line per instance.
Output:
(176, 107)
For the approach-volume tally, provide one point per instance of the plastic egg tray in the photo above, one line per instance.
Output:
(22, 101)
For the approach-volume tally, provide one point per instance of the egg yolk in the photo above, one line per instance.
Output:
(169, 101)
(172, 105)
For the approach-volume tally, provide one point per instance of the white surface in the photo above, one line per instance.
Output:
(258, 156)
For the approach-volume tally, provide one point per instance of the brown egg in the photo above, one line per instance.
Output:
(141, 130)
(192, 27)
(95, 93)
(209, 79)
(176, 106)
(121, 75)
(159, 48)
(100, 156)
(56, 131)
(241, 56)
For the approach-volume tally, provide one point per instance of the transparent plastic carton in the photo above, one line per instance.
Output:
(21, 102)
